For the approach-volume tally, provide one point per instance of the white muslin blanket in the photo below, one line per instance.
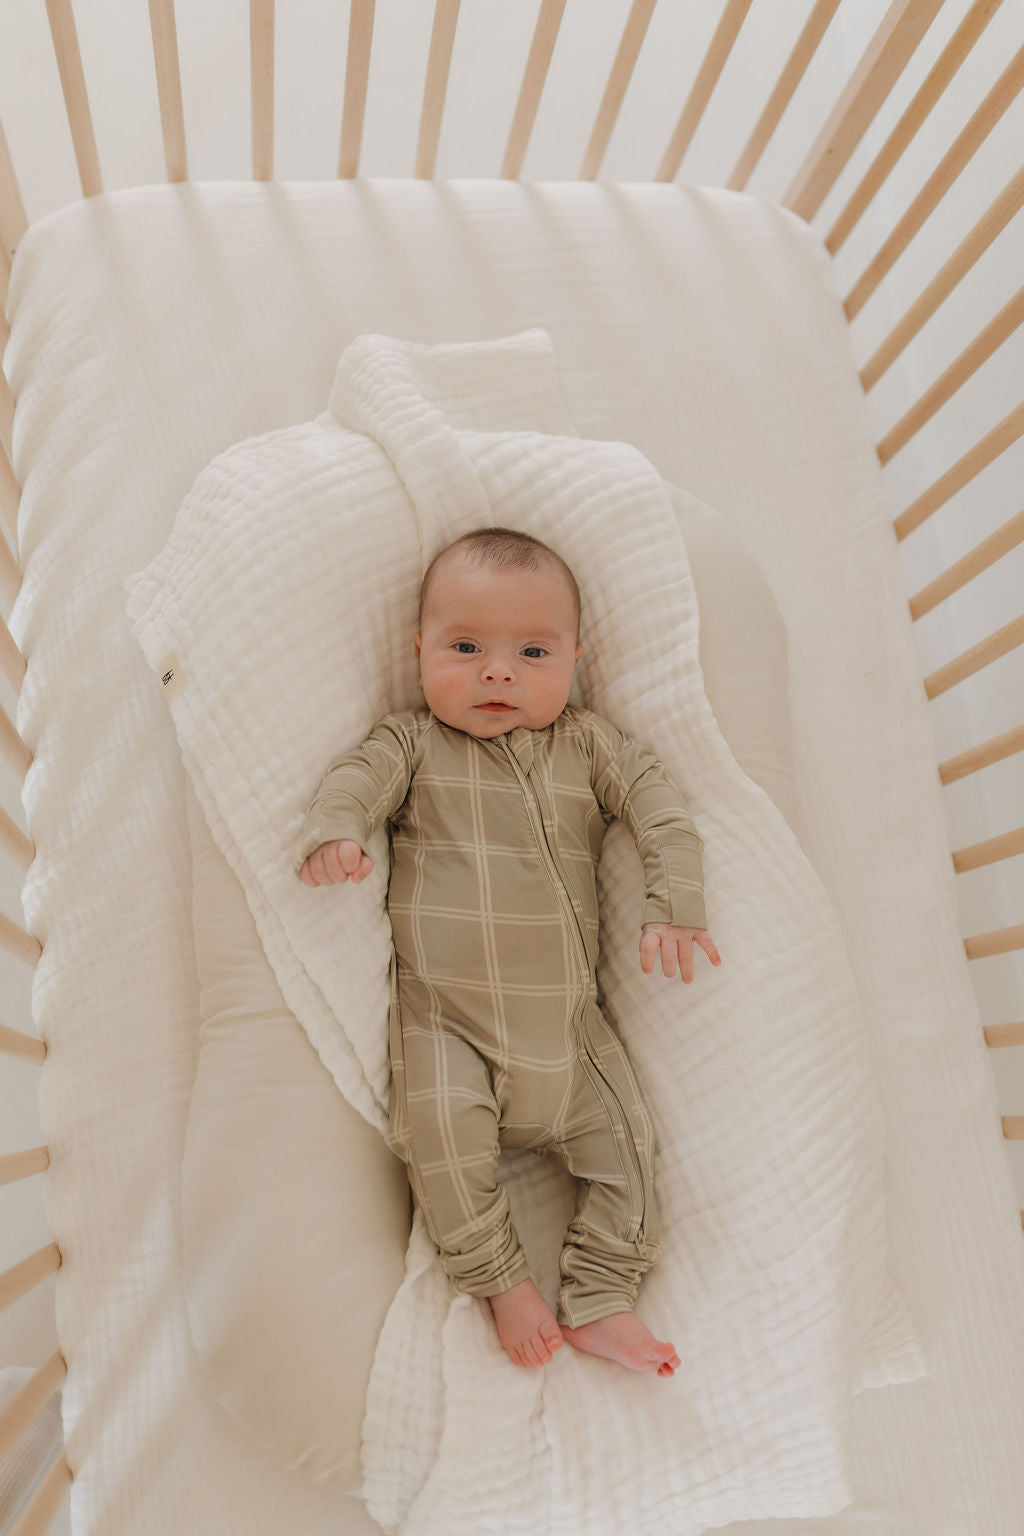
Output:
(279, 617)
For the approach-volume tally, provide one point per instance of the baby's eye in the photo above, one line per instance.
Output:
(460, 643)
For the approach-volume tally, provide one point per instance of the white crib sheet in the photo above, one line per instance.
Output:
(153, 328)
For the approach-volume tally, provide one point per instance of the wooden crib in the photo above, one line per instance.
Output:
(865, 100)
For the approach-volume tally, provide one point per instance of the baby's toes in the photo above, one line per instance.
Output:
(552, 1335)
(533, 1353)
(668, 1358)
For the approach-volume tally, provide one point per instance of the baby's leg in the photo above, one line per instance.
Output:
(453, 1151)
(608, 1144)
(526, 1325)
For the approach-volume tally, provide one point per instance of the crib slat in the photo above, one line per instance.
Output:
(261, 78)
(1001, 941)
(884, 60)
(990, 851)
(707, 78)
(968, 566)
(168, 87)
(936, 81)
(962, 150)
(11, 660)
(20, 1278)
(623, 65)
(10, 575)
(13, 222)
(1013, 1127)
(45, 1502)
(1004, 1034)
(549, 20)
(13, 841)
(357, 70)
(805, 48)
(6, 415)
(991, 224)
(31, 1400)
(76, 100)
(12, 748)
(10, 496)
(962, 472)
(19, 943)
(959, 371)
(21, 1165)
(991, 751)
(27, 1047)
(439, 60)
(968, 662)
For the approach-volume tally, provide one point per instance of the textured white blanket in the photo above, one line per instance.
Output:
(280, 613)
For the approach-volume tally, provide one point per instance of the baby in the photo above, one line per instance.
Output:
(498, 796)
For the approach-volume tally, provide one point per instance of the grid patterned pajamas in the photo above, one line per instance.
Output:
(496, 1036)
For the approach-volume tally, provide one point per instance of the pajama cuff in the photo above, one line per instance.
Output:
(319, 828)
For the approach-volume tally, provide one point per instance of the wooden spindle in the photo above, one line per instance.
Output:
(726, 33)
(76, 98)
(884, 60)
(961, 151)
(357, 73)
(623, 65)
(936, 81)
(545, 32)
(168, 87)
(261, 84)
(439, 62)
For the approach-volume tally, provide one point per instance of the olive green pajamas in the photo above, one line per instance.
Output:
(496, 1036)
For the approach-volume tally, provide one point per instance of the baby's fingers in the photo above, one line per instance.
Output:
(348, 859)
(363, 868)
(650, 943)
(707, 944)
(313, 871)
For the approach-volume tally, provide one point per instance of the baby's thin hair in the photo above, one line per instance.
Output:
(503, 549)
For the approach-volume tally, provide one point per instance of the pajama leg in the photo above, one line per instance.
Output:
(607, 1144)
(443, 1102)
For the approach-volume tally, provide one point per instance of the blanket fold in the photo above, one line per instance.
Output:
(286, 597)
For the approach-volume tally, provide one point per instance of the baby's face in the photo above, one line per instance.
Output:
(508, 635)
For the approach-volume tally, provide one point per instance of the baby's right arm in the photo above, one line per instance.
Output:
(360, 789)
(334, 862)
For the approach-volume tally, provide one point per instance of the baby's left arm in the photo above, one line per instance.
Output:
(674, 944)
(630, 782)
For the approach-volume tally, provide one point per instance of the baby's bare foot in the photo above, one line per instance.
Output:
(622, 1337)
(526, 1324)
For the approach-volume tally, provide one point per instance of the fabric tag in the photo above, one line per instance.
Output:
(172, 675)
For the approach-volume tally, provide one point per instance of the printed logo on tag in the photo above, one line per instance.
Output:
(172, 675)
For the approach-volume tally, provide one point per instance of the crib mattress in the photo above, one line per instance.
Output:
(153, 328)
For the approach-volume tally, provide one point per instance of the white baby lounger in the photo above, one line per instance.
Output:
(217, 1324)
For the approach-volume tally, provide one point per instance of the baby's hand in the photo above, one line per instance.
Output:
(332, 863)
(675, 942)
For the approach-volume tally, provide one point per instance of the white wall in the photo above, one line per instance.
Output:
(491, 47)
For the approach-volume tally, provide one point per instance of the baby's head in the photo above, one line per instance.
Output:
(499, 619)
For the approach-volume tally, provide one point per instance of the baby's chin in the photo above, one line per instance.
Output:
(487, 723)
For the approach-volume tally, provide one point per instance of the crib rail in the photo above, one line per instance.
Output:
(900, 33)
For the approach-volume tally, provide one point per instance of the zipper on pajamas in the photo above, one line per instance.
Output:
(577, 932)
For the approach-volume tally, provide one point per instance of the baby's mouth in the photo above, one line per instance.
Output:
(497, 707)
